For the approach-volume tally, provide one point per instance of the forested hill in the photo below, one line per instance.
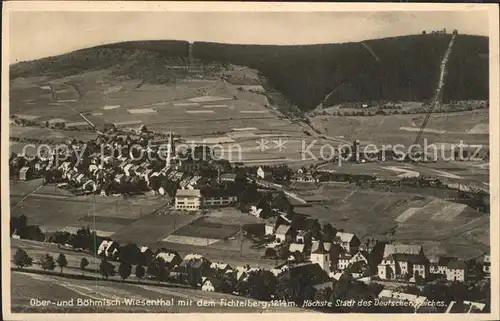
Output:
(400, 68)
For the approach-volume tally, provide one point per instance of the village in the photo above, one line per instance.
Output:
(311, 259)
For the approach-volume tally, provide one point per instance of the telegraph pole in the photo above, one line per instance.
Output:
(241, 240)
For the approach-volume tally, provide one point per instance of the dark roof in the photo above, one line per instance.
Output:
(216, 282)
(411, 258)
(457, 264)
(357, 267)
(321, 249)
(217, 192)
(312, 272)
(231, 176)
(444, 260)
(365, 254)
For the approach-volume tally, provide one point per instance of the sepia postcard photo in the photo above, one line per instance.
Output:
(208, 159)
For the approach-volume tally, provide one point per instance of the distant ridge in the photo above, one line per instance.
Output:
(402, 68)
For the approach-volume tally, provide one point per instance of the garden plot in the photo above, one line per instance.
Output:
(56, 120)
(75, 124)
(128, 123)
(480, 129)
(204, 229)
(254, 111)
(214, 140)
(404, 172)
(27, 117)
(406, 214)
(67, 100)
(204, 99)
(241, 134)
(190, 240)
(449, 212)
(141, 111)
(244, 129)
(191, 104)
(201, 111)
(446, 174)
(216, 106)
(74, 229)
(110, 107)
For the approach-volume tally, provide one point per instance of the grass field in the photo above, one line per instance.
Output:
(52, 212)
(394, 129)
(184, 108)
(27, 286)
(412, 217)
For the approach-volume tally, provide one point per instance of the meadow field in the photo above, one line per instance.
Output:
(446, 228)
(447, 128)
(56, 288)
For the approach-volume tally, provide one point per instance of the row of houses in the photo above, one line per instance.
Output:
(396, 261)
(408, 262)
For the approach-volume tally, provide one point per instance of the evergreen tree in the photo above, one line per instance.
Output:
(62, 261)
(21, 258)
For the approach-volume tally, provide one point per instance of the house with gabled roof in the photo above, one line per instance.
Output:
(360, 256)
(343, 261)
(358, 269)
(264, 174)
(284, 233)
(108, 248)
(456, 271)
(220, 267)
(303, 237)
(439, 267)
(404, 266)
(171, 258)
(271, 226)
(348, 241)
(486, 262)
(297, 251)
(403, 248)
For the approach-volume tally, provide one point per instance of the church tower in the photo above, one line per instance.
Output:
(170, 150)
(321, 257)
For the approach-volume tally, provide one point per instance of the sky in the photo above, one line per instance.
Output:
(40, 34)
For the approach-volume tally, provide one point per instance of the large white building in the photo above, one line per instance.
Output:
(188, 200)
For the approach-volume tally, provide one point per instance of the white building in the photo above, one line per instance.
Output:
(188, 200)
(322, 257)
